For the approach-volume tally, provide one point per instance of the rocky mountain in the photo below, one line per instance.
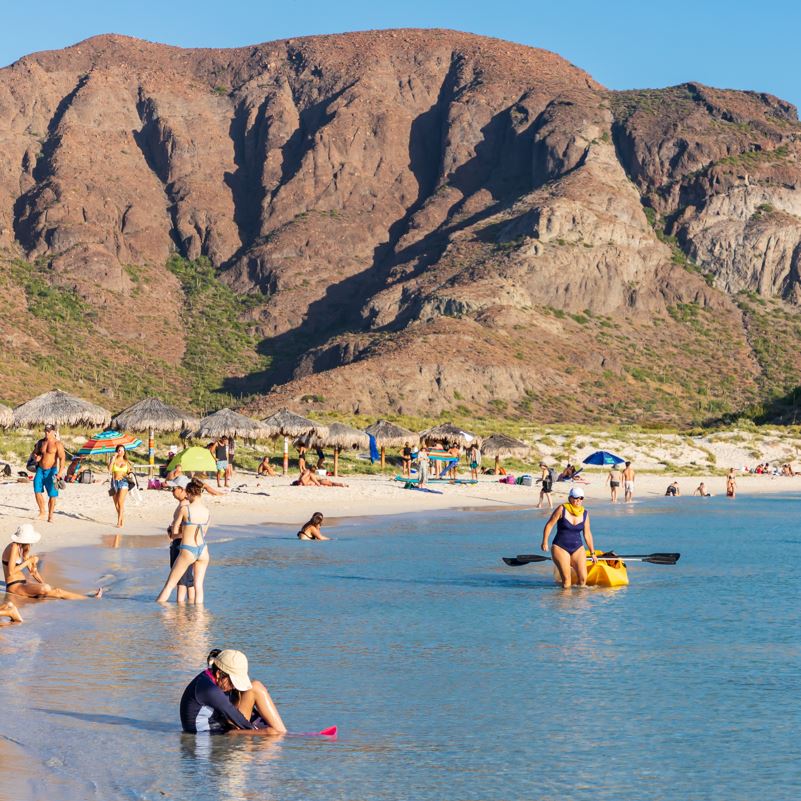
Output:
(416, 222)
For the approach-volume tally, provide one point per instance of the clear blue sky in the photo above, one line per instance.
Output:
(731, 44)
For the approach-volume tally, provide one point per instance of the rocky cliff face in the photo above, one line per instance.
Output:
(422, 220)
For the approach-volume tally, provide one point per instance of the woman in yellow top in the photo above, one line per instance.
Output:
(120, 468)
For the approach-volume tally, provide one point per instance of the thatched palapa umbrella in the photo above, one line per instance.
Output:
(228, 423)
(500, 445)
(284, 423)
(231, 424)
(341, 436)
(152, 415)
(388, 435)
(6, 417)
(60, 409)
(449, 435)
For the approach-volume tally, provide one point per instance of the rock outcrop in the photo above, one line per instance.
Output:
(422, 220)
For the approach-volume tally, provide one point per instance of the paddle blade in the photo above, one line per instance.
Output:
(524, 559)
(662, 558)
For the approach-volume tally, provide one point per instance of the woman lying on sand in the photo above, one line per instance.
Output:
(310, 530)
(17, 558)
(310, 479)
(223, 699)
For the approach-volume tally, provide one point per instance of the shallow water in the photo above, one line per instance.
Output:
(450, 675)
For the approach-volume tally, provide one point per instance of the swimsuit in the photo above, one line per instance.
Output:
(10, 584)
(195, 550)
(206, 708)
(45, 479)
(569, 535)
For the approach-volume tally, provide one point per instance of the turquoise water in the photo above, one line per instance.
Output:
(450, 675)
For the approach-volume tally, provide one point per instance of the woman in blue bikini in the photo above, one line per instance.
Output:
(194, 523)
(572, 523)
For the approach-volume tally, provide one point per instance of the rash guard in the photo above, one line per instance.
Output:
(205, 707)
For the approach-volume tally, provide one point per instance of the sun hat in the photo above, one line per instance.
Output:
(26, 534)
(575, 492)
(235, 664)
(181, 482)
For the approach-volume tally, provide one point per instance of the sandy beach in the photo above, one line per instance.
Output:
(85, 513)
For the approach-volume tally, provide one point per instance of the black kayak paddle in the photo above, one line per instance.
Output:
(651, 558)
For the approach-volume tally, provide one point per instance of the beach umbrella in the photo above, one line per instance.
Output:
(501, 445)
(60, 409)
(341, 436)
(284, 423)
(107, 442)
(389, 435)
(153, 415)
(194, 460)
(228, 423)
(603, 458)
(6, 416)
(449, 435)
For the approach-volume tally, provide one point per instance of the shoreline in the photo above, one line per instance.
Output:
(85, 514)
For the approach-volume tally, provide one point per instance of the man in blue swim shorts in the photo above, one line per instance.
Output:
(50, 465)
(219, 449)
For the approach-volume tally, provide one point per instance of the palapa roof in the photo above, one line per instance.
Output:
(284, 423)
(342, 436)
(389, 435)
(155, 414)
(502, 445)
(60, 409)
(449, 434)
(228, 423)
(6, 416)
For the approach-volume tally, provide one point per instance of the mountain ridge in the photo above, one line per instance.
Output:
(417, 220)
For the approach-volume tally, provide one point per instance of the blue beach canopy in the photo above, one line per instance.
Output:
(603, 458)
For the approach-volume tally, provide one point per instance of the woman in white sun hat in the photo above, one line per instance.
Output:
(572, 523)
(223, 699)
(18, 557)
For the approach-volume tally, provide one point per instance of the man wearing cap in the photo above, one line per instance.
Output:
(50, 464)
(572, 523)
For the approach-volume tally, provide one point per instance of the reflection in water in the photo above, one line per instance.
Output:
(187, 631)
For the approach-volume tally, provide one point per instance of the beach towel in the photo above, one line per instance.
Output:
(375, 456)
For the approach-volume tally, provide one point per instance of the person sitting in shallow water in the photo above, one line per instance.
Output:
(18, 557)
(223, 699)
(702, 491)
(310, 530)
(673, 490)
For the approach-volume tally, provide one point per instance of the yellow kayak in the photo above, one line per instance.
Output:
(604, 573)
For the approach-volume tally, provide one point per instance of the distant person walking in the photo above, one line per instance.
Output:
(614, 479)
(474, 458)
(219, 449)
(51, 463)
(422, 466)
(731, 484)
(546, 477)
(628, 483)
(120, 468)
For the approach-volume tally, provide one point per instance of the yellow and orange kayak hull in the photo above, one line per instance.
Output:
(604, 573)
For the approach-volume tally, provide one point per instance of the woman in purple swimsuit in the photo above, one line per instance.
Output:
(572, 522)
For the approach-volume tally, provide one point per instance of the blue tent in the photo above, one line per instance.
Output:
(603, 458)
